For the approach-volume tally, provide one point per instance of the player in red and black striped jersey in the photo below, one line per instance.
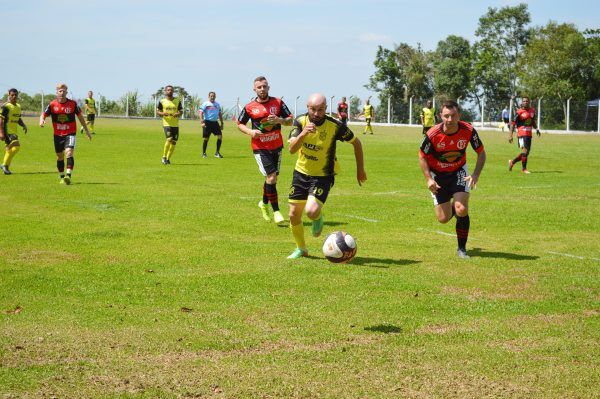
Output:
(443, 161)
(63, 112)
(525, 122)
(342, 111)
(267, 115)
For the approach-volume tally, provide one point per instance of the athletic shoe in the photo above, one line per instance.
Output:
(165, 161)
(278, 218)
(204, 155)
(67, 180)
(217, 155)
(526, 171)
(62, 180)
(264, 208)
(510, 164)
(168, 162)
(317, 226)
(298, 253)
(5, 170)
(462, 253)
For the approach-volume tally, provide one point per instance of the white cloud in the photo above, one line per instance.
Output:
(278, 50)
(373, 37)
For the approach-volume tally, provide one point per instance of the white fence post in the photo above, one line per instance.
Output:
(569, 113)
(296, 106)
(155, 104)
(482, 109)
(410, 111)
(389, 109)
(510, 109)
(331, 105)
(183, 109)
(539, 110)
(42, 101)
(127, 105)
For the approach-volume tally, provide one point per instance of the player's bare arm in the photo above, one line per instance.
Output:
(1, 128)
(361, 174)
(22, 124)
(431, 183)
(474, 177)
(84, 125)
(296, 142)
(281, 121)
(250, 132)
(42, 120)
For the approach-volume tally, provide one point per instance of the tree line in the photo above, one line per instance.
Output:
(509, 58)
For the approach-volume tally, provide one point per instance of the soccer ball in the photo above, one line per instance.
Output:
(339, 247)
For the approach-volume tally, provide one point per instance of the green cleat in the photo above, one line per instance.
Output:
(317, 226)
(264, 208)
(298, 253)
(62, 180)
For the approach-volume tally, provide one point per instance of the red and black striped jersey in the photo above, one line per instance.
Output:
(258, 113)
(63, 117)
(446, 153)
(524, 120)
(342, 110)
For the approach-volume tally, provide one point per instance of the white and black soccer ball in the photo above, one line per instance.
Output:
(339, 247)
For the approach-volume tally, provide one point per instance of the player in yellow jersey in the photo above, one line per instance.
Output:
(369, 112)
(428, 117)
(170, 109)
(89, 107)
(314, 138)
(10, 118)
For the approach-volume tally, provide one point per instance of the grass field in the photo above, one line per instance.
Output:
(144, 281)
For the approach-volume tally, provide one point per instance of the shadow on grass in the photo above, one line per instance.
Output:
(329, 223)
(384, 328)
(546, 171)
(35, 173)
(94, 184)
(480, 253)
(190, 164)
(382, 262)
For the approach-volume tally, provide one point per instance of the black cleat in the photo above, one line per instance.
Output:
(5, 170)
(218, 155)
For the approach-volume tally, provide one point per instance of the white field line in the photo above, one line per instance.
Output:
(363, 219)
(388, 193)
(571, 255)
(535, 187)
(443, 233)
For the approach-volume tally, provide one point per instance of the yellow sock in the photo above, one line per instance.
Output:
(298, 232)
(171, 151)
(91, 126)
(10, 154)
(166, 148)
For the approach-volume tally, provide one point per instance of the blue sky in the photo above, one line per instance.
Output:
(302, 46)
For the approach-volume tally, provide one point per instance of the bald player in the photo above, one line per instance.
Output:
(314, 138)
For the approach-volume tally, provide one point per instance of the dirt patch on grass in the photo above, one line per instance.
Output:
(440, 329)
(39, 257)
(523, 291)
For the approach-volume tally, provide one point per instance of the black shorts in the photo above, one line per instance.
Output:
(450, 183)
(171, 132)
(211, 127)
(269, 161)
(63, 142)
(305, 185)
(9, 138)
(368, 120)
(506, 121)
(524, 142)
(91, 117)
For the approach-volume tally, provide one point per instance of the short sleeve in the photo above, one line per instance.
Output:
(244, 117)
(159, 106)
(296, 128)
(284, 112)
(476, 142)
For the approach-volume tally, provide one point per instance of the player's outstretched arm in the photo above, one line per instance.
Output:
(361, 174)
(474, 178)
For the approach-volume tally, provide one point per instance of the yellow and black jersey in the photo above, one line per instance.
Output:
(368, 109)
(90, 106)
(317, 157)
(10, 114)
(170, 106)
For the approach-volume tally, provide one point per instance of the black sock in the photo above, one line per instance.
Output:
(60, 165)
(70, 165)
(462, 230)
(517, 159)
(265, 196)
(524, 160)
(219, 141)
(204, 145)
(271, 193)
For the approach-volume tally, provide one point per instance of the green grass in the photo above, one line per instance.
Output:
(105, 269)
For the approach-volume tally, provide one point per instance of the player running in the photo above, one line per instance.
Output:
(369, 112)
(443, 160)
(314, 138)
(342, 111)
(89, 108)
(63, 112)
(211, 119)
(10, 118)
(525, 121)
(267, 115)
(170, 109)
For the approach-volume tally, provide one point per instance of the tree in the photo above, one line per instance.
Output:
(130, 102)
(355, 106)
(453, 65)
(503, 35)
(559, 62)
